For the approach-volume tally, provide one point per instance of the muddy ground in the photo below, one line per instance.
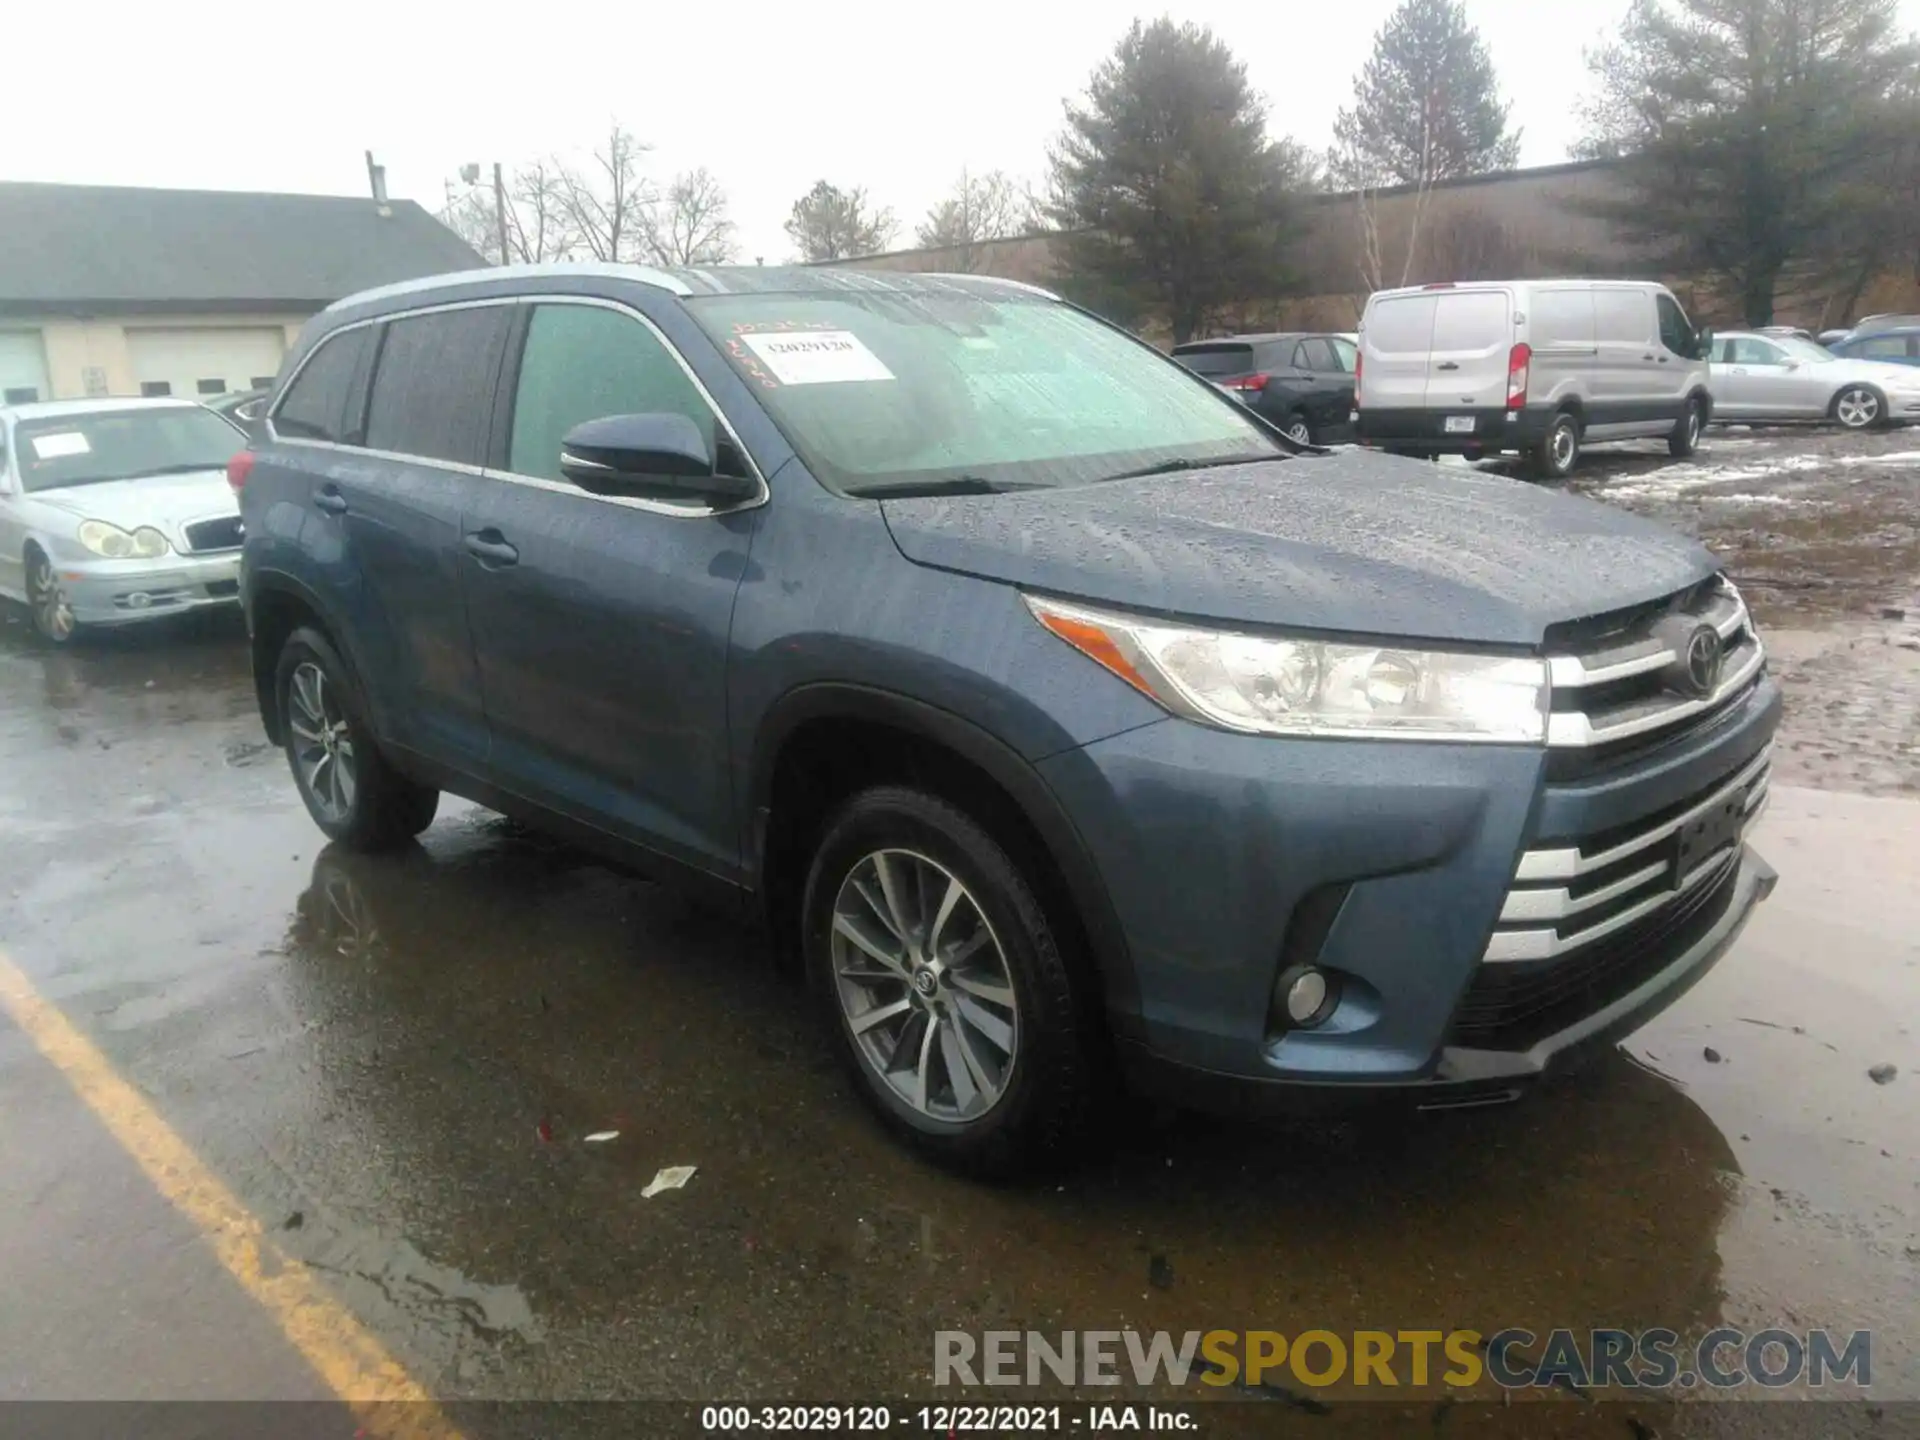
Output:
(395, 1064)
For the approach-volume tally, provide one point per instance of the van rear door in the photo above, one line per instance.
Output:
(1396, 338)
(1472, 342)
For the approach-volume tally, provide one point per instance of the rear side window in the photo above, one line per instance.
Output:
(1560, 317)
(1402, 325)
(1882, 347)
(1344, 354)
(1316, 355)
(1622, 317)
(1216, 360)
(585, 362)
(1473, 320)
(1744, 351)
(315, 404)
(432, 390)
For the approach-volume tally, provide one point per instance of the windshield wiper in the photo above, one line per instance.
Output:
(945, 485)
(1179, 463)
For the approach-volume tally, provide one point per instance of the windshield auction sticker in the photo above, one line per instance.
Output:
(817, 357)
(55, 447)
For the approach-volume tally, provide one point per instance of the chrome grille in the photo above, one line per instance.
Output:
(1615, 691)
(223, 533)
(1567, 897)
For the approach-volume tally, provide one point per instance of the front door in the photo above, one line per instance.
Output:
(601, 625)
(1755, 379)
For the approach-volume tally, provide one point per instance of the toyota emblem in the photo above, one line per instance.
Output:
(1703, 657)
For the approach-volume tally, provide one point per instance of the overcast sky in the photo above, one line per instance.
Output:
(769, 96)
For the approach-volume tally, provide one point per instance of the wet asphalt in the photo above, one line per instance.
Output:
(395, 1062)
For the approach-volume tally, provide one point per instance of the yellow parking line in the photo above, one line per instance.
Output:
(355, 1365)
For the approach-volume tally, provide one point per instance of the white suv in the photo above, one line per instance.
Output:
(1538, 367)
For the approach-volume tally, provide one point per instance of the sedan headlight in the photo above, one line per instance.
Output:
(116, 544)
(1274, 686)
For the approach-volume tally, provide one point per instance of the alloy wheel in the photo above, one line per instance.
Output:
(1299, 433)
(924, 986)
(1857, 408)
(52, 612)
(323, 755)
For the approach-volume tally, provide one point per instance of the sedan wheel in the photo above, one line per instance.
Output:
(924, 986)
(52, 613)
(1857, 407)
(1298, 431)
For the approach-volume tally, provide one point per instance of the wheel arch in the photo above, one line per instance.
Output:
(866, 735)
(277, 605)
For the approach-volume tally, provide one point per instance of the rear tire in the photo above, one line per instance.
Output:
(349, 787)
(1297, 429)
(1558, 451)
(989, 1067)
(1859, 407)
(1685, 438)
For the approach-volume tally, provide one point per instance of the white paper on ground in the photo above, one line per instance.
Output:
(671, 1178)
(816, 357)
(600, 1137)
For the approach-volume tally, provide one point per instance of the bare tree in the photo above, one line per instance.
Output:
(689, 224)
(980, 208)
(607, 205)
(536, 221)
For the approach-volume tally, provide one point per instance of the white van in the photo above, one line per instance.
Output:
(1538, 367)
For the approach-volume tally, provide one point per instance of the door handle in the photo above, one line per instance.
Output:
(331, 501)
(1663, 359)
(1446, 365)
(490, 548)
(1647, 356)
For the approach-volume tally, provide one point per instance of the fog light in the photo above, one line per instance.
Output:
(1306, 996)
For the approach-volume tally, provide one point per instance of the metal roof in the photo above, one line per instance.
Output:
(108, 247)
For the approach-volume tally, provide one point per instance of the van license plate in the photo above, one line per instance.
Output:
(1459, 424)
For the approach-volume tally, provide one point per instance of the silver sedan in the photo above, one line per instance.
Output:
(116, 511)
(1783, 377)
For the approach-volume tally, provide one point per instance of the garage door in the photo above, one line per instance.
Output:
(23, 367)
(201, 363)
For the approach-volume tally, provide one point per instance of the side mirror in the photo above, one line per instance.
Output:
(1703, 344)
(656, 456)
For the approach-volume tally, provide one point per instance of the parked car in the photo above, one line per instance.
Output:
(1535, 367)
(116, 511)
(1053, 712)
(1793, 331)
(1773, 377)
(1303, 383)
(1877, 324)
(1882, 347)
(244, 408)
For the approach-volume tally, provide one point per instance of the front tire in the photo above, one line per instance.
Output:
(349, 787)
(1685, 438)
(1859, 407)
(951, 1003)
(1557, 451)
(47, 602)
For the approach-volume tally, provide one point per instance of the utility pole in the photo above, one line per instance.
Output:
(500, 208)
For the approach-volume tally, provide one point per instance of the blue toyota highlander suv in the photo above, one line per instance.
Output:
(1071, 727)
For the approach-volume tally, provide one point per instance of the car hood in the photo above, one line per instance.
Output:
(1353, 541)
(165, 502)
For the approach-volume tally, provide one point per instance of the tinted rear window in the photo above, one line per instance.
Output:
(1401, 325)
(432, 390)
(1216, 359)
(313, 407)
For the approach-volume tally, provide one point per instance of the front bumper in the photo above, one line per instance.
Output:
(1229, 858)
(126, 592)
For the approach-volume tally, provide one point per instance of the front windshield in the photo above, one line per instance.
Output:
(892, 393)
(1801, 349)
(92, 447)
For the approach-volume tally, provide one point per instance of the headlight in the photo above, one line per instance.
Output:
(1273, 686)
(116, 544)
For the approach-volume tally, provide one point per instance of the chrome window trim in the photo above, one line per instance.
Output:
(696, 511)
(1568, 863)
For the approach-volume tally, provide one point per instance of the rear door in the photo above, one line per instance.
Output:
(1326, 386)
(399, 502)
(1472, 343)
(1396, 344)
(1755, 379)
